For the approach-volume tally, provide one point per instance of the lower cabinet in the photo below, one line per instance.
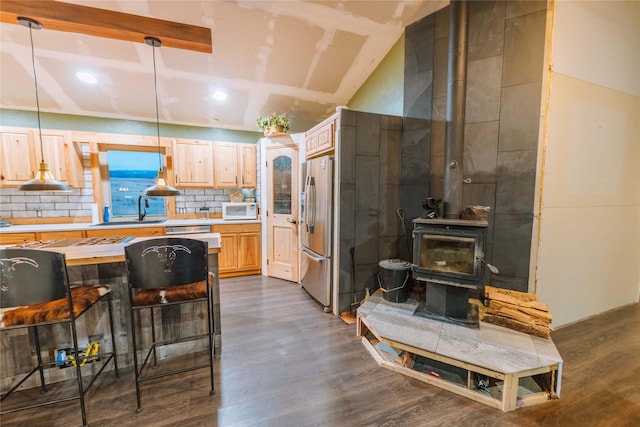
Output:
(240, 253)
(126, 232)
(16, 238)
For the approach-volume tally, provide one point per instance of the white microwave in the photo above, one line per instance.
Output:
(235, 211)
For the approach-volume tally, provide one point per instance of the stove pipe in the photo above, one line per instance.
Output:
(456, 96)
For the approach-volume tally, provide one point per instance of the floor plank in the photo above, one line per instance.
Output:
(285, 362)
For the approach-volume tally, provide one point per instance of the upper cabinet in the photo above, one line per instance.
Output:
(63, 156)
(17, 163)
(248, 165)
(21, 154)
(321, 138)
(234, 165)
(193, 163)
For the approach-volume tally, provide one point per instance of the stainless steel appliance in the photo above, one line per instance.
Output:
(316, 229)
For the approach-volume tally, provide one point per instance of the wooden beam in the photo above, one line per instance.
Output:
(55, 15)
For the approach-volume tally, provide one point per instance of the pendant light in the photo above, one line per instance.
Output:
(160, 188)
(43, 180)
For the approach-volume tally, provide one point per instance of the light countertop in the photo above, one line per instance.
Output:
(88, 226)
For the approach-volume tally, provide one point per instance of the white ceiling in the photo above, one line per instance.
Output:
(299, 57)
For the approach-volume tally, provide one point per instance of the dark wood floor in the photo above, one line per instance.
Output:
(284, 362)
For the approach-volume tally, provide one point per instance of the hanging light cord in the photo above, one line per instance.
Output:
(155, 88)
(35, 78)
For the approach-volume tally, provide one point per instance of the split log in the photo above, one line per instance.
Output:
(495, 306)
(514, 297)
(520, 311)
(537, 330)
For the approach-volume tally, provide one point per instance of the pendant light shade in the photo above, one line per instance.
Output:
(161, 188)
(43, 180)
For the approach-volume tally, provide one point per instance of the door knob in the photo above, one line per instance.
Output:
(292, 221)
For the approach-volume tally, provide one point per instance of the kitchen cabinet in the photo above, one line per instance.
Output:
(248, 166)
(62, 155)
(17, 163)
(59, 235)
(240, 253)
(193, 163)
(16, 238)
(321, 138)
(21, 154)
(234, 165)
(134, 232)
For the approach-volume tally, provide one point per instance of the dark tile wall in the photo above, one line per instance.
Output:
(504, 83)
(381, 159)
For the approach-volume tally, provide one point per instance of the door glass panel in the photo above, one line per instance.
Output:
(282, 185)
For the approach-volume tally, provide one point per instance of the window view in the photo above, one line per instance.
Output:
(130, 172)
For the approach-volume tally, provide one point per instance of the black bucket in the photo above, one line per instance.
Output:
(394, 279)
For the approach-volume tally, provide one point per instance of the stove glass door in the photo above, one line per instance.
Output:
(450, 254)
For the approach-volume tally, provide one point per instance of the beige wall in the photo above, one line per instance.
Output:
(587, 255)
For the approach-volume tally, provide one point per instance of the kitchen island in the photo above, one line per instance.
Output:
(94, 264)
(241, 239)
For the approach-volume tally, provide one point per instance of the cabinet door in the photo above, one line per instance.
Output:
(125, 232)
(325, 138)
(61, 155)
(228, 256)
(249, 251)
(59, 235)
(17, 162)
(248, 166)
(16, 238)
(193, 163)
(225, 155)
(311, 139)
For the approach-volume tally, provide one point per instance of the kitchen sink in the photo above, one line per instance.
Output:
(133, 222)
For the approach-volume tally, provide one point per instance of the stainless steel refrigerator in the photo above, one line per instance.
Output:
(316, 229)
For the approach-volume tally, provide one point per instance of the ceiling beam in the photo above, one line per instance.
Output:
(55, 15)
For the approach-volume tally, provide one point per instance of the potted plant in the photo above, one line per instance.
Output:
(273, 123)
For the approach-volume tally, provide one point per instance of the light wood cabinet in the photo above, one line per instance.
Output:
(17, 163)
(21, 154)
(16, 238)
(248, 166)
(62, 155)
(59, 235)
(193, 163)
(234, 165)
(125, 232)
(321, 138)
(240, 252)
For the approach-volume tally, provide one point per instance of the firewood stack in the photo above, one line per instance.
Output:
(520, 311)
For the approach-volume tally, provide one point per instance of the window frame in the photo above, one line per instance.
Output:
(100, 169)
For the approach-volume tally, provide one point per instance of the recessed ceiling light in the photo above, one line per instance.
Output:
(87, 78)
(219, 95)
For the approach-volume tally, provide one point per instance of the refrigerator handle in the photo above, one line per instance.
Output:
(311, 204)
(306, 203)
(311, 255)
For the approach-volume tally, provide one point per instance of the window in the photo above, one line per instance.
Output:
(130, 172)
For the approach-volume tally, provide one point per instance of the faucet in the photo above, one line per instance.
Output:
(142, 211)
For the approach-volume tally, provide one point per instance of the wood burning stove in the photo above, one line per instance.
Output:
(448, 254)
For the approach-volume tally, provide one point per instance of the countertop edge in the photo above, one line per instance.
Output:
(35, 228)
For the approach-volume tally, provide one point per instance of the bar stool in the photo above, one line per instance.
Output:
(163, 274)
(35, 294)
